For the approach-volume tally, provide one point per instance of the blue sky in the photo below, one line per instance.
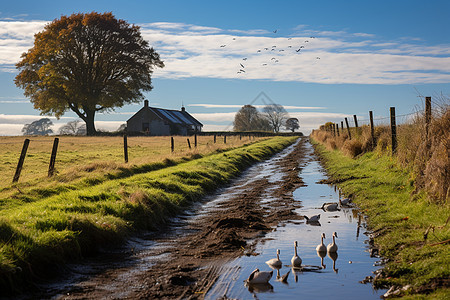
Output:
(354, 56)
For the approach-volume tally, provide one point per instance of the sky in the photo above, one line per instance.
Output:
(322, 60)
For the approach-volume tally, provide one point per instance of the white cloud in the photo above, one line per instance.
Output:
(287, 107)
(332, 57)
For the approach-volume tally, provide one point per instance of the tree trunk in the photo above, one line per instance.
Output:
(90, 126)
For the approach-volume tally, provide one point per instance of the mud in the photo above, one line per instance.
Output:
(232, 229)
(230, 232)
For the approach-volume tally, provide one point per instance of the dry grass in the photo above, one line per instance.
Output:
(428, 158)
(80, 157)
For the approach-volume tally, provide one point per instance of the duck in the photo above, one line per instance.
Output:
(259, 277)
(345, 202)
(330, 207)
(333, 247)
(275, 262)
(314, 218)
(321, 247)
(296, 260)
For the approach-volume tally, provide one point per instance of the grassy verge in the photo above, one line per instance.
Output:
(410, 231)
(37, 236)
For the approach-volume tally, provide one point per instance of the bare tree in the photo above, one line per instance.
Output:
(292, 124)
(276, 114)
(39, 127)
(71, 128)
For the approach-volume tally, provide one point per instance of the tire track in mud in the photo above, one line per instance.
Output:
(193, 263)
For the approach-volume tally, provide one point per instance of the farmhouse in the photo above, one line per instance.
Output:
(158, 121)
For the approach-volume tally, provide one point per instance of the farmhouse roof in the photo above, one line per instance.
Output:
(171, 116)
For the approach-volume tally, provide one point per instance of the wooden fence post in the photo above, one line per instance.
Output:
(393, 130)
(372, 130)
(51, 167)
(342, 126)
(189, 144)
(21, 160)
(427, 118)
(337, 129)
(224, 138)
(172, 144)
(357, 129)
(334, 129)
(195, 140)
(356, 121)
(214, 138)
(348, 129)
(125, 147)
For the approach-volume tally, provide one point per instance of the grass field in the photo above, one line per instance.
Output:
(410, 229)
(47, 222)
(90, 157)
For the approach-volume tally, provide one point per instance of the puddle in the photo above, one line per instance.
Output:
(119, 275)
(124, 267)
(339, 277)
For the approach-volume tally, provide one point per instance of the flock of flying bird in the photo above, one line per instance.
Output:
(274, 59)
(263, 277)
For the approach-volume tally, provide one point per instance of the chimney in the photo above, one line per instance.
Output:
(146, 103)
(183, 109)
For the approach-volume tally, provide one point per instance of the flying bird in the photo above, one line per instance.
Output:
(222, 46)
(242, 65)
(258, 51)
(245, 58)
(242, 70)
(275, 31)
(264, 64)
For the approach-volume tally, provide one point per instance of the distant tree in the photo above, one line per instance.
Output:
(292, 124)
(87, 63)
(39, 127)
(248, 118)
(277, 116)
(72, 128)
(122, 127)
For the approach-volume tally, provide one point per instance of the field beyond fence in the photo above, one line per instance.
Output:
(78, 157)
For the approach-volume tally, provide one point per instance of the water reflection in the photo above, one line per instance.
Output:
(283, 278)
(322, 254)
(334, 257)
(259, 287)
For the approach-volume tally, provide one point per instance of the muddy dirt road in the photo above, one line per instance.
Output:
(190, 260)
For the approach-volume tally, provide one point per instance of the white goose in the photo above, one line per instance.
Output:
(333, 247)
(275, 262)
(259, 277)
(321, 247)
(296, 260)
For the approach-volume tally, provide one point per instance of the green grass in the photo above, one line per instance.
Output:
(399, 218)
(61, 224)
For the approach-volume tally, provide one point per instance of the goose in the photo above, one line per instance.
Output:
(321, 247)
(259, 277)
(345, 201)
(283, 278)
(314, 218)
(333, 247)
(275, 262)
(296, 260)
(330, 207)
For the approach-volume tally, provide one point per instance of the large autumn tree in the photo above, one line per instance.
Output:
(87, 63)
